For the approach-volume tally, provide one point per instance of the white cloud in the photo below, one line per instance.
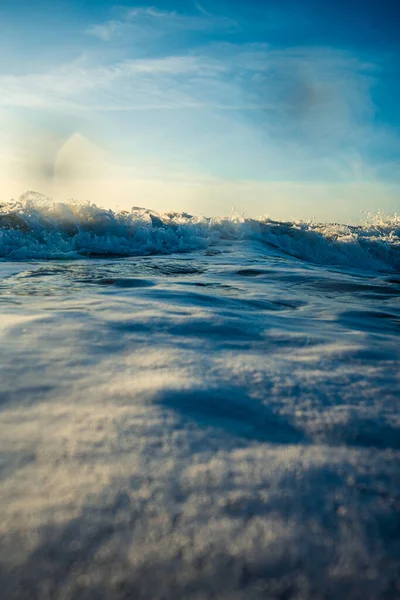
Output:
(105, 31)
(296, 83)
(148, 21)
(139, 84)
(236, 110)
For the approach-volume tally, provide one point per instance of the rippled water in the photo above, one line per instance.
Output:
(222, 423)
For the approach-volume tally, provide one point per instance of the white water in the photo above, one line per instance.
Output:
(36, 227)
(213, 415)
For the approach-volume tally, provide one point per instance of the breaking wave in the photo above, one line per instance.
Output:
(35, 227)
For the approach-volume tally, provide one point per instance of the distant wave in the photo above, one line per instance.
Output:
(35, 227)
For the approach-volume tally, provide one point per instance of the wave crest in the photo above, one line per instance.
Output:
(36, 227)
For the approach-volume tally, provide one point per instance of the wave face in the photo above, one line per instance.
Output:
(36, 227)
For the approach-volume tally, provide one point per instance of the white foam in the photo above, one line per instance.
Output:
(35, 227)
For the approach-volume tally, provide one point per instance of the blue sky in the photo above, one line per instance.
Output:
(286, 108)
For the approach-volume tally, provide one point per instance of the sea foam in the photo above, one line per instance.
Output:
(36, 227)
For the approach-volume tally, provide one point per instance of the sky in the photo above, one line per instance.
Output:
(287, 108)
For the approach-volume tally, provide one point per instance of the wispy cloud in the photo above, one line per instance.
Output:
(299, 84)
(140, 84)
(145, 21)
(105, 31)
(291, 112)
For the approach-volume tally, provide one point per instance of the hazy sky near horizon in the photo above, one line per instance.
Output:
(286, 107)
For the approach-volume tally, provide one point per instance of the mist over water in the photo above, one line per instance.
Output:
(197, 407)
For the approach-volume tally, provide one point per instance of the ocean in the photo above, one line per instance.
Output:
(197, 408)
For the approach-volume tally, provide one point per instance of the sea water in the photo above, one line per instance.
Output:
(197, 408)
